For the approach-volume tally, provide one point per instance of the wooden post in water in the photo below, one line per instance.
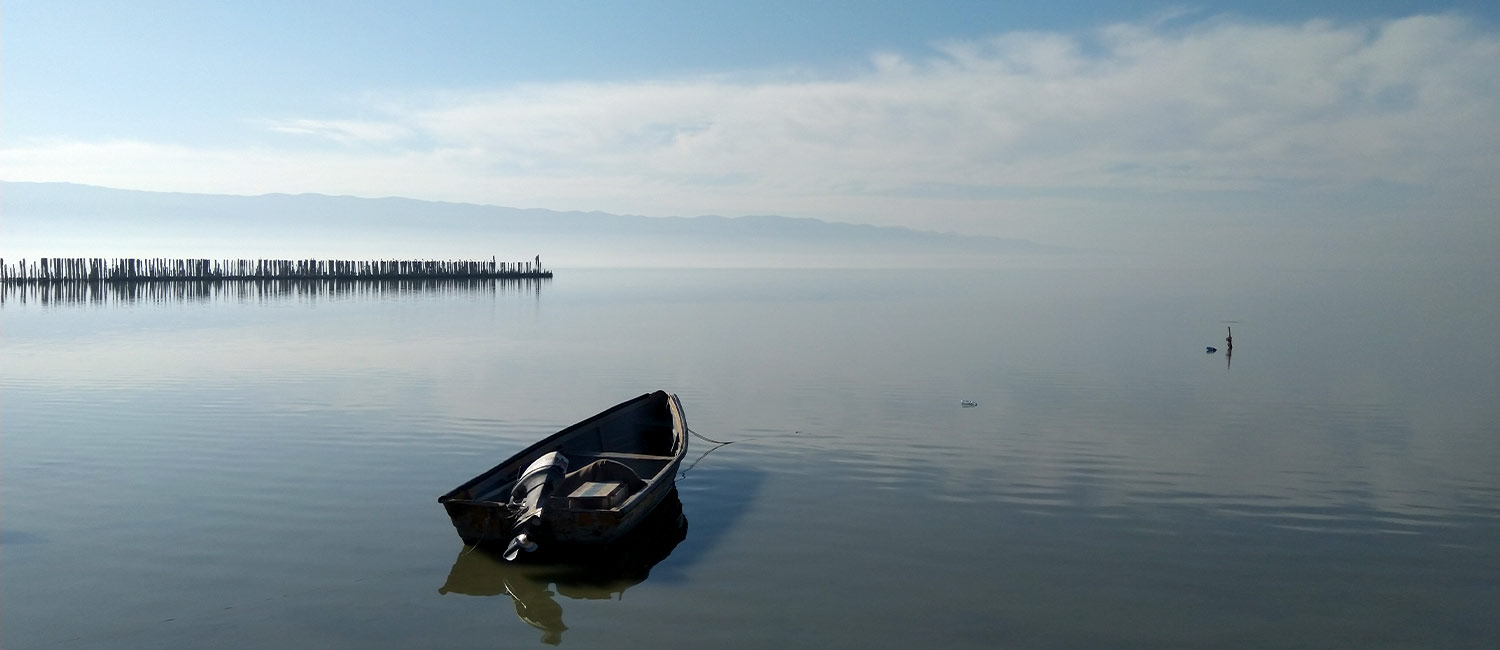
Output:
(55, 270)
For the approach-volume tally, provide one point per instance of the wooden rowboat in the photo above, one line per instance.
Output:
(588, 484)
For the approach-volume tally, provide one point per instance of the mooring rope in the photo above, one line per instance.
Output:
(717, 444)
(484, 532)
(708, 439)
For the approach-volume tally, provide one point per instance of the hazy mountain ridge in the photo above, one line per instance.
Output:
(58, 216)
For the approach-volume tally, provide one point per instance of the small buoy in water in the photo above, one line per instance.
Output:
(1212, 349)
(968, 404)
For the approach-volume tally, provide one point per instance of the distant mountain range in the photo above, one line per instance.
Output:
(66, 219)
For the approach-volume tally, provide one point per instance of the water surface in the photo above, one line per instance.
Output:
(240, 466)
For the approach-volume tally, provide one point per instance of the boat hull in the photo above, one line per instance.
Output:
(645, 436)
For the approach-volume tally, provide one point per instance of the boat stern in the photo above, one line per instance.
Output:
(479, 522)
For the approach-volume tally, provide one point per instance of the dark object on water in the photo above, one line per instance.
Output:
(597, 576)
(1212, 349)
(1229, 340)
(968, 404)
(626, 459)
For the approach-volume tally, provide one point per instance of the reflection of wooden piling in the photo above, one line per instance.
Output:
(256, 290)
(54, 269)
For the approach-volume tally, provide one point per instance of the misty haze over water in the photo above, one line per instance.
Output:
(66, 220)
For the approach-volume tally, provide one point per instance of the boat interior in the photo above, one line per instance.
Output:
(609, 458)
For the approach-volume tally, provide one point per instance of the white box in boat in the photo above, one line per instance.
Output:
(597, 494)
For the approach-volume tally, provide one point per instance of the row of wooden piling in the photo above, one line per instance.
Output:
(98, 269)
(254, 290)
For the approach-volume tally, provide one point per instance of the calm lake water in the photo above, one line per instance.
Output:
(256, 466)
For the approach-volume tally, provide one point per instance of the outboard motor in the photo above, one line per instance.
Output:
(536, 484)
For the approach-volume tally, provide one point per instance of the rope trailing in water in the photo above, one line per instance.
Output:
(708, 439)
(683, 474)
(482, 534)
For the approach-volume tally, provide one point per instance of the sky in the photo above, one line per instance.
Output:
(1372, 126)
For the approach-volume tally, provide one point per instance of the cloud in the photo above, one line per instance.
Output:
(345, 132)
(1021, 123)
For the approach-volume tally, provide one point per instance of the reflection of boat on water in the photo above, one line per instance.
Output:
(622, 462)
(602, 573)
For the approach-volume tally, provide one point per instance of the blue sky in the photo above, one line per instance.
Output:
(1073, 122)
